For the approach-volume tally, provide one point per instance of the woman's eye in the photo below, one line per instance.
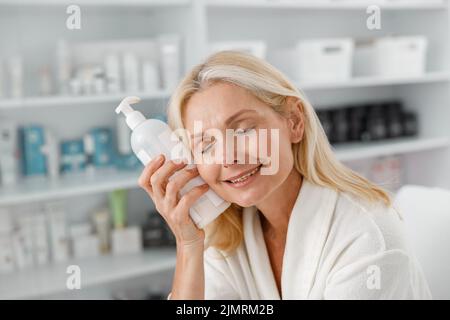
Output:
(243, 131)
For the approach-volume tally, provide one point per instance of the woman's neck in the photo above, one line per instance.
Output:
(277, 207)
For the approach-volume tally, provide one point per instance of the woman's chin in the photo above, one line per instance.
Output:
(246, 199)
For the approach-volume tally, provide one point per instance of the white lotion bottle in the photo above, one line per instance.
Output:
(152, 137)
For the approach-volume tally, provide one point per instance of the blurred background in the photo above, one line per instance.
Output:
(73, 222)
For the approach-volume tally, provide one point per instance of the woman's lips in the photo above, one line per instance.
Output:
(246, 181)
(241, 174)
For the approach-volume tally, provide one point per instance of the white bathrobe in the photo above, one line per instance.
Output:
(337, 247)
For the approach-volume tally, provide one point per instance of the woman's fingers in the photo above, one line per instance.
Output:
(150, 168)
(188, 199)
(160, 178)
(177, 183)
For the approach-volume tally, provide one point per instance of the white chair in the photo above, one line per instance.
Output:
(427, 217)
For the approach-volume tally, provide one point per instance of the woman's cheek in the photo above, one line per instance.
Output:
(206, 173)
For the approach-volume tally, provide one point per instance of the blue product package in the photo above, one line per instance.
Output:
(103, 147)
(34, 161)
(72, 156)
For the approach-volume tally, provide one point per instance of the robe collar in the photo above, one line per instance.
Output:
(308, 228)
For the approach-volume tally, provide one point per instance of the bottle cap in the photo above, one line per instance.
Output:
(133, 118)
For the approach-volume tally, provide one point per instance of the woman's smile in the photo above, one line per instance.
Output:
(244, 178)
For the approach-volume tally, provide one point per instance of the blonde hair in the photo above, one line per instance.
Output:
(313, 156)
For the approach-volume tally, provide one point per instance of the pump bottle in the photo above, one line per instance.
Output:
(152, 137)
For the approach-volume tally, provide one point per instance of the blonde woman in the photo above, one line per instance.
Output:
(313, 229)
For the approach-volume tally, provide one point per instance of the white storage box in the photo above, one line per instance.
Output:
(392, 57)
(86, 246)
(324, 60)
(126, 240)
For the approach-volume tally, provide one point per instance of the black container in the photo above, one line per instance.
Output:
(370, 122)
(340, 125)
(394, 114)
(375, 128)
(155, 232)
(355, 122)
(410, 124)
(325, 120)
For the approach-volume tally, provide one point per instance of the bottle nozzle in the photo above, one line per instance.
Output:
(133, 118)
(124, 105)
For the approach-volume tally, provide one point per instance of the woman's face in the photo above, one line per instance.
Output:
(225, 106)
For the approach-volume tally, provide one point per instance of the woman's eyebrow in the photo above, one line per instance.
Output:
(229, 120)
(237, 115)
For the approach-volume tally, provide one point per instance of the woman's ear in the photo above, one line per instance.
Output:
(296, 119)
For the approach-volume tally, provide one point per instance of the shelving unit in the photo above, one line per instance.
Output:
(201, 22)
(432, 77)
(99, 3)
(58, 101)
(36, 189)
(359, 150)
(426, 95)
(50, 279)
(328, 5)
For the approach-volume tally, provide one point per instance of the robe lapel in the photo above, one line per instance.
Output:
(307, 232)
(258, 257)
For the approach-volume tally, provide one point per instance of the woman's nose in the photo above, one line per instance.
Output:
(239, 152)
(230, 163)
(229, 155)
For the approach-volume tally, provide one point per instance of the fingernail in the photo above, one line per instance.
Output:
(160, 158)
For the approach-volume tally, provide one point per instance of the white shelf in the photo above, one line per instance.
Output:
(59, 101)
(432, 77)
(50, 101)
(51, 279)
(359, 150)
(329, 5)
(283, 4)
(108, 3)
(41, 188)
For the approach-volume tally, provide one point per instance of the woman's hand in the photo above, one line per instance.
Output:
(165, 195)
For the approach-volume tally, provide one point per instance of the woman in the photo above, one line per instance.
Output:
(313, 229)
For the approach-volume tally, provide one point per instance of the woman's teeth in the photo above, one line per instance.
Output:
(245, 177)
